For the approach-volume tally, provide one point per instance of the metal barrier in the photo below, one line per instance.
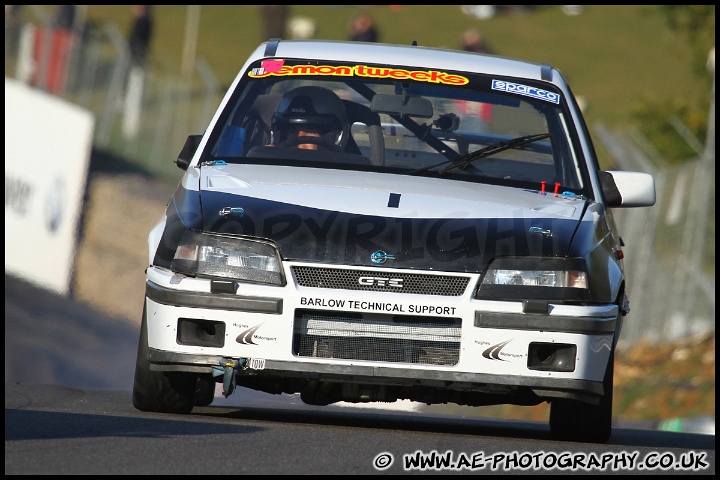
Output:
(670, 247)
(143, 115)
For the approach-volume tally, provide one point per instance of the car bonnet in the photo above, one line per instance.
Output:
(338, 216)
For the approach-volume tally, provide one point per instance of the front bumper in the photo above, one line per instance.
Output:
(384, 339)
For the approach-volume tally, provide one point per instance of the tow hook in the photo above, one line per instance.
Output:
(228, 369)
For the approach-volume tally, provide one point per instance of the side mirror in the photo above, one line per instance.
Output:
(188, 151)
(628, 189)
(402, 105)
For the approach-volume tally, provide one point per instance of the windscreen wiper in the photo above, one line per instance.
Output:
(493, 149)
(466, 160)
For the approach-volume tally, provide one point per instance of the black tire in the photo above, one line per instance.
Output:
(573, 420)
(163, 392)
(204, 391)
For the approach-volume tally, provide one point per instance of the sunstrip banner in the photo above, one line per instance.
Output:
(276, 68)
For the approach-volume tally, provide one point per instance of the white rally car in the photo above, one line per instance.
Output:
(369, 222)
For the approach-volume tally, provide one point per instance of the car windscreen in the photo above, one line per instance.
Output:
(400, 120)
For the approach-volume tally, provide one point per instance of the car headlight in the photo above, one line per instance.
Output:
(533, 278)
(222, 256)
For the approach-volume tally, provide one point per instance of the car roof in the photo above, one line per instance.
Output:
(410, 55)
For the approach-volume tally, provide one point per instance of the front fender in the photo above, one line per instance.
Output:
(595, 242)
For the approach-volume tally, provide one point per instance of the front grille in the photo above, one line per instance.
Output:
(379, 281)
(377, 337)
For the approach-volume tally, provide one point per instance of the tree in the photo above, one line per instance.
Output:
(659, 121)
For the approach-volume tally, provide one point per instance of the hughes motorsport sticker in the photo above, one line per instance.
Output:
(278, 68)
(495, 352)
(248, 337)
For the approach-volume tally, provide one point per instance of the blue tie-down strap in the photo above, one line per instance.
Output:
(228, 369)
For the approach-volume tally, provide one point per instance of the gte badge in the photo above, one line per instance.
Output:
(380, 282)
(381, 257)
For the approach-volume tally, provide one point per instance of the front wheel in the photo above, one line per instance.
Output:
(164, 392)
(574, 420)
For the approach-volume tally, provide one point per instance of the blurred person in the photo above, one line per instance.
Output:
(140, 34)
(472, 40)
(53, 50)
(572, 10)
(12, 30)
(65, 17)
(362, 28)
(301, 27)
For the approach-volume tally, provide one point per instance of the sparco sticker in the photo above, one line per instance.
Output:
(526, 90)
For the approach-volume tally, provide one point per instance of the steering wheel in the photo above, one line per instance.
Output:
(319, 141)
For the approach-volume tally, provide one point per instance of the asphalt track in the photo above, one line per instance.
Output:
(68, 410)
